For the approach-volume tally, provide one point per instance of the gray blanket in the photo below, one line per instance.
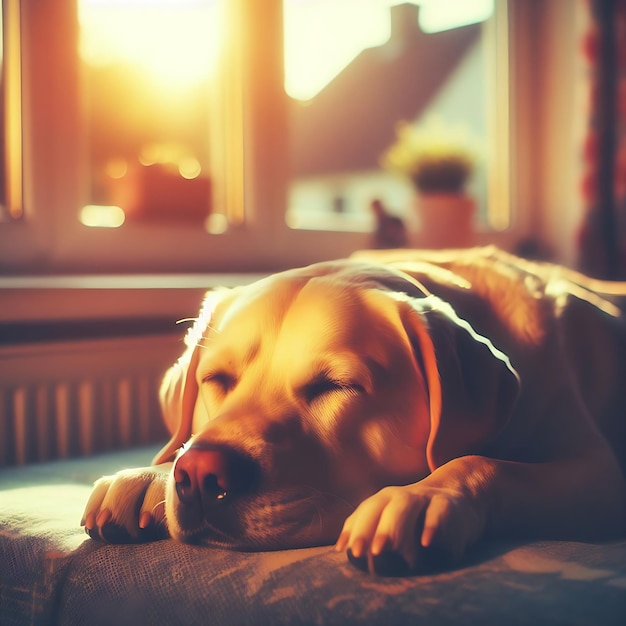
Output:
(52, 573)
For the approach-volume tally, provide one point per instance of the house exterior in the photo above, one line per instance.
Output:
(338, 136)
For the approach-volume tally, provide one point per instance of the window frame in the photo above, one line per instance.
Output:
(49, 239)
(12, 108)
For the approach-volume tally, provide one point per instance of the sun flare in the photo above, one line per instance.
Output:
(175, 41)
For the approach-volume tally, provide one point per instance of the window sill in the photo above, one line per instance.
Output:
(63, 300)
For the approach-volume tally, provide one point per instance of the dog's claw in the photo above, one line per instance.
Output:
(88, 521)
(114, 533)
(342, 542)
(390, 563)
(358, 547)
(380, 544)
(387, 563)
(103, 518)
(94, 534)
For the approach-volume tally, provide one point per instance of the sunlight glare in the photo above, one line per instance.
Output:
(102, 216)
(323, 37)
(438, 15)
(175, 41)
(216, 224)
(117, 168)
(189, 168)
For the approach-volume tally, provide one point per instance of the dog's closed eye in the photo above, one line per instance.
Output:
(222, 381)
(324, 386)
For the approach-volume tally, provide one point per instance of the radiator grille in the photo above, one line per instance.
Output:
(76, 399)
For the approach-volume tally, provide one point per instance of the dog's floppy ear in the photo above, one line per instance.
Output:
(472, 385)
(179, 387)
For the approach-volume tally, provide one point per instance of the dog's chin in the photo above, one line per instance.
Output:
(215, 538)
(280, 521)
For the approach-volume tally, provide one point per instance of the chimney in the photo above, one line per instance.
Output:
(404, 24)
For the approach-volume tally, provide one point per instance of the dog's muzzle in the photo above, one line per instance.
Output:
(222, 496)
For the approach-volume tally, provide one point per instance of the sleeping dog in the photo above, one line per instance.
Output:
(398, 404)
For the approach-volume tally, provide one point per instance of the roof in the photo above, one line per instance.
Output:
(353, 119)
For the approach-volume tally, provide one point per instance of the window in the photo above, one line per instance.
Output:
(383, 63)
(161, 136)
(10, 113)
(148, 72)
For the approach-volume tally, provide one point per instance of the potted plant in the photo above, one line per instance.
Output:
(439, 161)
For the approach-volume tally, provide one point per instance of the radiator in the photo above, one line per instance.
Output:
(77, 398)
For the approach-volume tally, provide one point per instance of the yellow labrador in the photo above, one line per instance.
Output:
(398, 404)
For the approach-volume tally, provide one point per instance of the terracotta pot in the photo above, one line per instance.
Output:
(447, 220)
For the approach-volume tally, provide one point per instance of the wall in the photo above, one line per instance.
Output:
(549, 114)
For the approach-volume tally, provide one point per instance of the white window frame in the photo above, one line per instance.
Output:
(50, 238)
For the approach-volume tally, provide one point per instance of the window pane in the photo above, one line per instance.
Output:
(148, 77)
(10, 112)
(355, 71)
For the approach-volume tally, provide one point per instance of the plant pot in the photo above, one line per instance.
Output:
(447, 220)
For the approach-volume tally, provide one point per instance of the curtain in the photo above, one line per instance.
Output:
(602, 237)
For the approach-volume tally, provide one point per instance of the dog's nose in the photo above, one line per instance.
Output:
(212, 475)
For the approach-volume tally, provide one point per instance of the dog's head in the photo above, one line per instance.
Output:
(302, 394)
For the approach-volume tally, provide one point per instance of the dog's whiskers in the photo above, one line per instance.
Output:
(196, 334)
(317, 520)
(161, 503)
(187, 319)
(332, 496)
(162, 515)
(200, 343)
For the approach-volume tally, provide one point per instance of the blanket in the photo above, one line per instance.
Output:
(51, 572)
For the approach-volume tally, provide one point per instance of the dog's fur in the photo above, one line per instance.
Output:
(398, 401)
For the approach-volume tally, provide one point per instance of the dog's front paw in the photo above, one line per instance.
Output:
(412, 529)
(128, 506)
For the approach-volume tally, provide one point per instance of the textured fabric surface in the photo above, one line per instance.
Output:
(52, 573)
